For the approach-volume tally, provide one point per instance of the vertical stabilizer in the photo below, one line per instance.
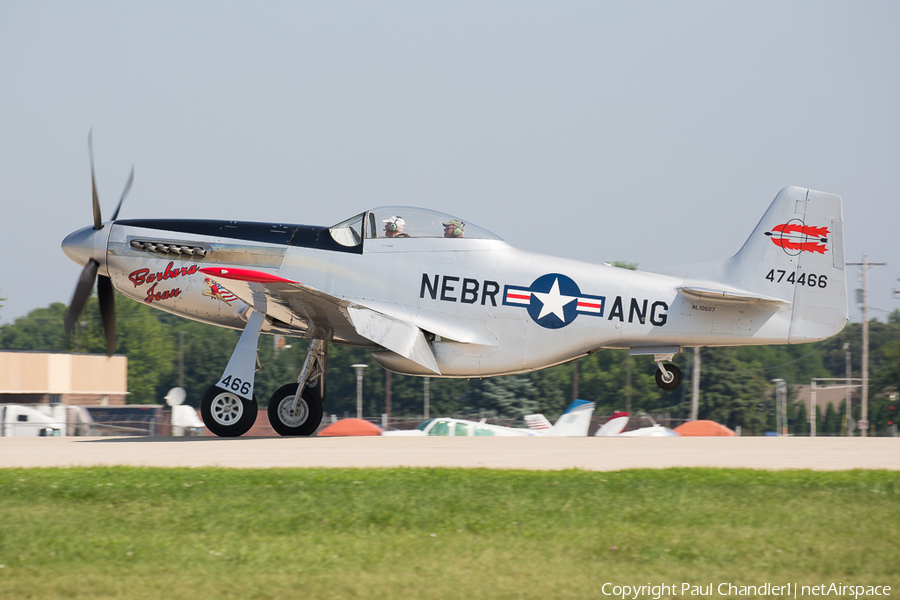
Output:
(796, 254)
(576, 421)
(614, 425)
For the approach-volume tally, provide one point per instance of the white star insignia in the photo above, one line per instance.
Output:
(554, 302)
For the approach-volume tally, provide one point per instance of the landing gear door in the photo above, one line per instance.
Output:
(241, 369)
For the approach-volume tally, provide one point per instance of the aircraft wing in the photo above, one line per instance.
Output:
(731, 296)
(326, 316)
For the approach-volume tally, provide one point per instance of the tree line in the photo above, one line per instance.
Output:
(735, 383)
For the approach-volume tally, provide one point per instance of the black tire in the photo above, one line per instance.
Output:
(226, 414)
(304, 421)
(676, 378)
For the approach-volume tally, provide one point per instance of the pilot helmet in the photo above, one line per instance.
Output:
(457, 225)
(394, 224)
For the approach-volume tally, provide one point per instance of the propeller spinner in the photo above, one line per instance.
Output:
(87, 247)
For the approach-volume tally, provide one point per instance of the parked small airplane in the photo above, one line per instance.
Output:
(572, 423)
(433, 295)
(615, 427)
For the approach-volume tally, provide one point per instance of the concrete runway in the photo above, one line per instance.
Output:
(594, 454)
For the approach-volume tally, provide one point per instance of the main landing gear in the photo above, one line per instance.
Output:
(229, 408)
(296, 408)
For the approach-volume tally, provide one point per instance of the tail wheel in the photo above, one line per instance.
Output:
(226, 414)
(300, 421)
(672, 378)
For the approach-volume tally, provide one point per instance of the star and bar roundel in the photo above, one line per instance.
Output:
(553, 300)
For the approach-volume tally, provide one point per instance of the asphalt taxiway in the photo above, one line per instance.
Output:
(594, 454)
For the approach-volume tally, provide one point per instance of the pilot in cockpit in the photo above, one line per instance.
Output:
(454, 228)
(393, 227)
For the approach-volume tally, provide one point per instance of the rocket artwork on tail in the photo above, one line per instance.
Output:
(792, 264)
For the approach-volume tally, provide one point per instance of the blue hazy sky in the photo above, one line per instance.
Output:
(649, 132)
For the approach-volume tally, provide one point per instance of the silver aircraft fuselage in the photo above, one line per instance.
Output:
(484, 307)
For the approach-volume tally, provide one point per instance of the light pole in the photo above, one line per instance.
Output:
(781, 404)
(181, 359)
(864, 419)
(864, 300)
(575, 391)
(628, 383)
(848, 415)
(892, 427)
(695, 385)
(359, 381)
(427, 394)
(387, 395)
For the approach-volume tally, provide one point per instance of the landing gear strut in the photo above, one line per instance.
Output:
(296, 408)
(229, 407)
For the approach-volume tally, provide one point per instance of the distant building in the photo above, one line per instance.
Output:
(824, 397)
(62, 378)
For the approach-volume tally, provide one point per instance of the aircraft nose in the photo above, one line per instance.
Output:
(81, 245)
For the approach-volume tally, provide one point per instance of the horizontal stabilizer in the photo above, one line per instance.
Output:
(731, 296)
(792, 266)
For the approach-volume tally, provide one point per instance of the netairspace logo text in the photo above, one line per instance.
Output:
(787, 590)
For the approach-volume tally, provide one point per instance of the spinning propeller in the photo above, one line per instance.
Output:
(80, 246)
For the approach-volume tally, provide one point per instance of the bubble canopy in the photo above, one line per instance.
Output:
(400, 222)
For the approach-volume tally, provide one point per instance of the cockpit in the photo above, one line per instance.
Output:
(404, 222)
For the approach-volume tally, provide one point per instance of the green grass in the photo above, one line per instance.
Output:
(436, 533)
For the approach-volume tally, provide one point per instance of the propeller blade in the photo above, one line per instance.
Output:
(81, 295)
(98, 220)
(107, 312)
(124, 193)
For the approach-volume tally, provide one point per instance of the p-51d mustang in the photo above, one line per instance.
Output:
(434, 296)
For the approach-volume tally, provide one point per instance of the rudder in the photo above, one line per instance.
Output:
(820, 303)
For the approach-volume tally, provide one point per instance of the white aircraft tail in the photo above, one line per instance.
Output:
(614, 425)
(793, 261)
(572, 423)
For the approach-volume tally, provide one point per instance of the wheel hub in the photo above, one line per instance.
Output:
(295, 417)
(227, 409)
